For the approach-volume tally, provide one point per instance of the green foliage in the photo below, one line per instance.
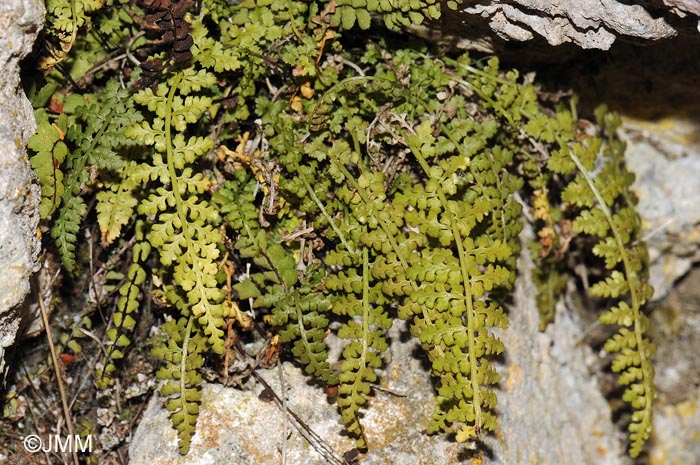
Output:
(348, 13)
(628, 285)
(183, 233)
(358, 297)
(50, 153)
(124, 317)
(84, 142)
(116, 203)
(395, 14)
(597, 197)
(64, 18)
(445, 248)
(181, 352)
(366, 185)
(472, 259)
(298, 309)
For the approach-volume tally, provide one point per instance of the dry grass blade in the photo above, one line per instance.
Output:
(57, 370)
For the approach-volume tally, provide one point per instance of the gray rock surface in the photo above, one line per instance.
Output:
(551, 411)
(665, 159)
(684, 6)
(551, 408)
(675, 328)
(676, 434)
(20, 22)
(589, 24)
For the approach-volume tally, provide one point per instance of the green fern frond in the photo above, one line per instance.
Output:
(299, 309)
(236, 201)
(116, 204)
(395, 14)
(192, 252)
(181, 354)
(605, 212)
(50, 153)
(357, 296)
(459, 341)
(66, 227)
(124, 316)
(94, 137)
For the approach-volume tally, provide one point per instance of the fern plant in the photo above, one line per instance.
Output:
(192, 252)
(183, 233)
(468, 266)
(599, 195)
(413, 225)
(298, 309)
(332, 190)
(87, 139)
(124, 317)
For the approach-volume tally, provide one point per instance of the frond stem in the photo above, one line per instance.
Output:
(471, 316)
(318, 202)
(648, 397)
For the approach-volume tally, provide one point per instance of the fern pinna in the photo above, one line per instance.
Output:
(64, 19)
(395, 14)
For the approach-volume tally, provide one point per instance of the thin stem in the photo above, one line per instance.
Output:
(315, 198)
(476, 71)
(183, 363)
(636, 304)
(57, 370)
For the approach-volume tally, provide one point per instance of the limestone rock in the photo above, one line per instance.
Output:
(20, 22)
(675, 326)
(550, 409)
(668, 194)
(687, 6)
(588, 24)
(676, 433)
(550, 406)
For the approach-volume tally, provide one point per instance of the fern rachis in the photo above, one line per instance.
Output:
(632, 371)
